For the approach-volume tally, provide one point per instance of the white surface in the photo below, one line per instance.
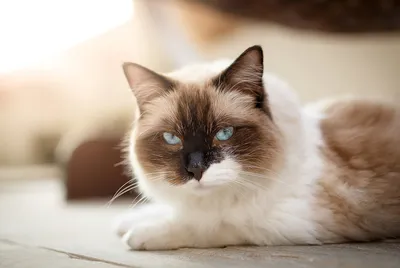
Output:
(38, 229)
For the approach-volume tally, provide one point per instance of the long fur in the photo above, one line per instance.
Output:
(323, 180)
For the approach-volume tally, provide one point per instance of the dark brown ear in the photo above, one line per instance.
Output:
(244, 74)
(145, 84)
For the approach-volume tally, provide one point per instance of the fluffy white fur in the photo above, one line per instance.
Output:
(198, 214)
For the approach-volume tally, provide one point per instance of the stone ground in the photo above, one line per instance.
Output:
(39, 229)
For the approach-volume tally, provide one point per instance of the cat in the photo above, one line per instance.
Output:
(227, 156)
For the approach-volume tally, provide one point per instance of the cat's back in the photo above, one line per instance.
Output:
(360, 183)
(363, 135)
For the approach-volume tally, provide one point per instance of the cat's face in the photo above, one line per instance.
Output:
(208, 134)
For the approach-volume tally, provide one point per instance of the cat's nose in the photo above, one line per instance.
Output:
(197, 172)
(196, 165)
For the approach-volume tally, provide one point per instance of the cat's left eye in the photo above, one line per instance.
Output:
(171, 138)
(224, 134)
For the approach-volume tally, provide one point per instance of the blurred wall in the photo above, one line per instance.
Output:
(74, 95)
(317, 65)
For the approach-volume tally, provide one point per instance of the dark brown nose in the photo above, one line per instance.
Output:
(196, 165)
(197, 172)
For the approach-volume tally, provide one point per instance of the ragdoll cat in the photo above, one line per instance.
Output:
(227, 156)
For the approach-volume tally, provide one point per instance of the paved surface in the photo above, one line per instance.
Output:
(38, 229)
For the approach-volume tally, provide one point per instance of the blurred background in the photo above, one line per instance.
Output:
(65, 104)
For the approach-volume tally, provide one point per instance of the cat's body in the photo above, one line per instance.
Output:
(287, 175)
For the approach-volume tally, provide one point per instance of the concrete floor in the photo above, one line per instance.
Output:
(38, 229)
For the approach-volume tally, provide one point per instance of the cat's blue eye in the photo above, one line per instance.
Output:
(171, 138)
(224, 134)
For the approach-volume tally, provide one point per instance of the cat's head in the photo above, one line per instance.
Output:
(206, 133)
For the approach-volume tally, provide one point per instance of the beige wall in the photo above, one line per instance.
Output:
(76, 94)
(317, 65)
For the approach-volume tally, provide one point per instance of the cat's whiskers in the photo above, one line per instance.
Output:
(157, 172)
(250, 184)
(260, 176)
(244, 177)
(162, 175)
(127, 188)
(120, 189)
(244, 182)
(133, 202)
(265, 170)
(142, 200)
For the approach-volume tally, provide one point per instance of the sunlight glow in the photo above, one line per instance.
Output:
(31, 31)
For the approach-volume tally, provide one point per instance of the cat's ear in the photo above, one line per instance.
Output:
(245, 73)
(145, 84)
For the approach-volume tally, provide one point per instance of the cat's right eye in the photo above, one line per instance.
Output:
(171, 138)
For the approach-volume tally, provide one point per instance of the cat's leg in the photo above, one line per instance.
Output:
(140, 215)
(163, 233)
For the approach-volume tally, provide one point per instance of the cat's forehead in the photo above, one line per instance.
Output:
(193, 107)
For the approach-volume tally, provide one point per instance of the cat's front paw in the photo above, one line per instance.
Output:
(157, 235)
(125, 222)
(139, 216)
